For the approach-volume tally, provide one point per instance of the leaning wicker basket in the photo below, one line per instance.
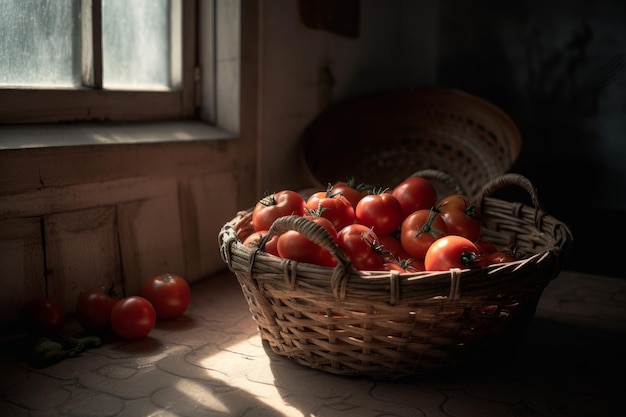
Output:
(386, 324)
(381, 138)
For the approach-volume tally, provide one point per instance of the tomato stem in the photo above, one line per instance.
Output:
(367, 237)
(329, 192)
(468, 258)
(317, 212)
(268, 200)
(428, 228)
(110, 291)
(379, 190)
(470, 210)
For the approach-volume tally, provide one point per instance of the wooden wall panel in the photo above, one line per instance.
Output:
(75, 197)
(21, 265)
(91, 230)
(207, 202)
(88, 239)
(150, 236)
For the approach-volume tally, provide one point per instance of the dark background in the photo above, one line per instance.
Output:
(558, 69)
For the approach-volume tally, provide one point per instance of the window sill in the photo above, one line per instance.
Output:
(60, 135)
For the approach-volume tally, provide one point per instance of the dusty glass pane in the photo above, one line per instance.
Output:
(135, 44)
(40, 43)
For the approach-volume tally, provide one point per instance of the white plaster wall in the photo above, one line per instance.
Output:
(396, 47)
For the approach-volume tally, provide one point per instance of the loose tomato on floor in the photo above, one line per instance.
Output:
(294, 245)
(169, 294)
(133, 317)
(93, 310)
(42, 316)
(273, 206)
(451, 251)
(335, 207)
(380, 211)
(415, 193)
(420, 229)
(360, 243)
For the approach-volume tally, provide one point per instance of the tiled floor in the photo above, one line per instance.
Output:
(211, 362)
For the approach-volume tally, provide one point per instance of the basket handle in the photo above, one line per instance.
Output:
(503, 181)
(319, 235)
(560, 231)
(309, 229)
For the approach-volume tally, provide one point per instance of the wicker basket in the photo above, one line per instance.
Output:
(382, 138)
(385, 324)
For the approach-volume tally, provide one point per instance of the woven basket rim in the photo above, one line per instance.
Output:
(442, 285)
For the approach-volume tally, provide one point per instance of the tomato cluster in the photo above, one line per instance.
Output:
(164, 296)
(406, 228)
(99, 310)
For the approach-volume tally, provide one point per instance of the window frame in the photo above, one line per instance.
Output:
(27, 106)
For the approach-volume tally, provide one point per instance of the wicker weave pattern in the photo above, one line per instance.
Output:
(386, 324)
(382, 138)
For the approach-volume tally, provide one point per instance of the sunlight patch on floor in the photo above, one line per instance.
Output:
(242, 367)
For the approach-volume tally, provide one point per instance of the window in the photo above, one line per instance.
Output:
(98, 60)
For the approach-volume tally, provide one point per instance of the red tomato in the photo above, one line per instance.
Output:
(133, 317)
(334, 207)
(93, 310)
(418, 264)
(42, 316)
(169, 294)
(253, 240)
(404, 265)
(461, 222)
(420, 229)
(459, 213)
(393, 266)
(455, 200)
(501, 256)
(396, 257)
(451, 251)
(391, 248)
(350, 190)
(281, 203)
(484, 246)
(379, 211)
(497, 257)
(325, 223)
(359, 243)
(294, 245)
(415, 193)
